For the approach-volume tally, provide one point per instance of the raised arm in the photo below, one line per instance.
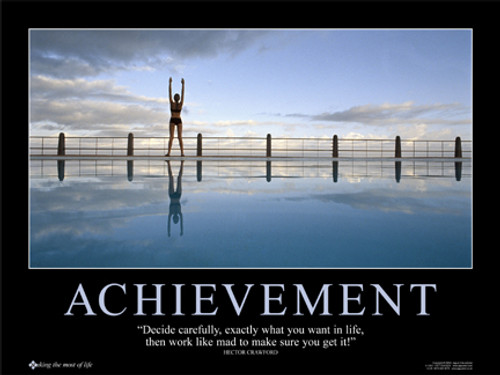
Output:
(182, 92)
(170, 89)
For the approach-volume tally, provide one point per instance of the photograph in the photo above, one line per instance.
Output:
(296, 148)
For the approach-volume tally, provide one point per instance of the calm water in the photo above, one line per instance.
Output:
(356, 215)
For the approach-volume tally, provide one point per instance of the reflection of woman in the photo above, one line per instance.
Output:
(175, 116)
(175, 213)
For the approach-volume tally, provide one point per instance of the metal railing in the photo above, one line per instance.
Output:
(247, 147)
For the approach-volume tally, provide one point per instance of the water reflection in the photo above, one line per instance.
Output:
(402, 170)
(371, 215)
(130, 170)
(60, 170)
(199, 170)
(174, 211)
(398, 171)
(458, 170)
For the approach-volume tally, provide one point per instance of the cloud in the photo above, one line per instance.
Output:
(43, 87)
(82, 113)
(98, 106)
(396, 114)
(77, 53)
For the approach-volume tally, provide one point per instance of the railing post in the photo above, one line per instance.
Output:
(130, 145)
(398, 147)
(61, 146)
(199, 147)
(268, 148)
(335, 149)
(458, 147)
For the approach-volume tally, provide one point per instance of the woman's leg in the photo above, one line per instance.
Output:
(171, 140)
(179, 135)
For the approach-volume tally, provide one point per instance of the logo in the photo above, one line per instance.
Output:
(61, 365)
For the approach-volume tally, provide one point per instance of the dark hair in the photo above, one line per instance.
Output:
(177, 97)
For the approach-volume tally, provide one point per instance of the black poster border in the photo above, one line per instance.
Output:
(459, 328)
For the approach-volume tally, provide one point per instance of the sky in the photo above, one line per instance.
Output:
(368, 83)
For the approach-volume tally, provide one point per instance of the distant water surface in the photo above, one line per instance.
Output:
(249, 216)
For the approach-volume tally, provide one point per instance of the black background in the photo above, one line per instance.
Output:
(461, 326)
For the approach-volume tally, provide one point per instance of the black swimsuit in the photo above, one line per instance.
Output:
(175, 120)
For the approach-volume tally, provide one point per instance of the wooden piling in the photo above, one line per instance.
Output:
(130, 145)
(335, 147)
(458, 147)
(61, 146)
(398, 147)
(268, 144)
